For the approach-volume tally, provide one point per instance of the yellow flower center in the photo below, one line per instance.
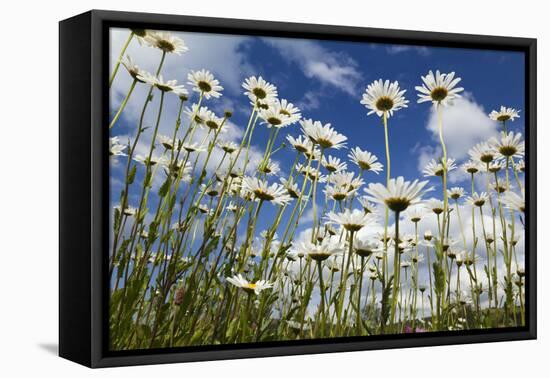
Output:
(204, 86)
(259, 93)
(364, 165)
(165, 45)
(139, 32)
(507, 150)
(325, 143)
(479, 202)
(319, 256)
(397, 204)
(437, 210)
(285, 112)
(260, 194)
(486, 158)
(439, 94)
(164, 88)
(384, 104)
(503, 117)
(363, 252)
(212, 124)
(274, 121)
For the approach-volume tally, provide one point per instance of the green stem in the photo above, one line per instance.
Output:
(123, 105)
(117, 65)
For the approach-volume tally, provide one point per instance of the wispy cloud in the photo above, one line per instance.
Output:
(335, 69)
(397, 49)
(310, 101)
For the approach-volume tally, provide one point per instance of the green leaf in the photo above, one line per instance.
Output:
(116, 221)
(165, 187)
(131, 175)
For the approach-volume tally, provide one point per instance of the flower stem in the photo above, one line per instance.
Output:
(123, 105)
(117, 65)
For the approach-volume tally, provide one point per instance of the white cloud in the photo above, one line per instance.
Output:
(221, 54)
(310, 101)
(397, 49)
(464, 124)
(316, 62)
(425, 154)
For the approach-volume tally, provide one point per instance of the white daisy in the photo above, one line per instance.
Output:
(435, 168)
(203, 82)
(257, 89)
(337, 192)
(274, 193)
(292, 188)
(193, 147)
(133, 69)
(509, 144)
(323, 135)
(333, 164)
(288, 109)
(228, 146)
(333, 265)
(115, 147)
(494, 166)
(384, 97)
(269, 168)
(504, 114)
(199, 115)
(153, 161)
(471, 167)
(513, 201)
(178, 169)
(203, 208)
(165, 41)
(478, 199)
(456, 192)
(167, 142)
(128, 211)
(311, 173)
(415, 213)
(520, 165)
(140, 35)
(328, 247)
(439, 88)
(213, 122)
(314, 153)
(365, 160)
(273, 117)
(212, 190)
(159, 83)
(181, 92)
(435, 205)
(399, 194)
(367, 206)
(248, 286)
(364, 247)
(300, 144)
(231, 207)
(483, 152)
(346, 180)
(351, 220)
(498, 187)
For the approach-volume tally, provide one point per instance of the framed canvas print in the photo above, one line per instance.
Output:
(234, 188)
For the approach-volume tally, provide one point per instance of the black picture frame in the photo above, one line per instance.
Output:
(83, 180)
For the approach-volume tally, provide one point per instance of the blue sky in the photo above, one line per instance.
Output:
(326, 80)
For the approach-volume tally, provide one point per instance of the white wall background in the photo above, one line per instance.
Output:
(29, 189)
